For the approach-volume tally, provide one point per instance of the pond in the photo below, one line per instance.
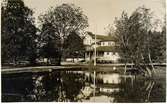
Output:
(81, 86)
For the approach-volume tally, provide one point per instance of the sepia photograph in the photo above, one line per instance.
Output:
(98, 51)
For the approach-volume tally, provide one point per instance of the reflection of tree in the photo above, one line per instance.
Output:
(59, 86)
(158, 92)
(141, 91)
(51, 84)
(72, 84)
(39, 91)
(149, 89)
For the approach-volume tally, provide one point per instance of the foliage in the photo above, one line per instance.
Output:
(48, 43)
(158, 46)
(64, 19)
(74, 46)
(18, 31)
(122, 36)
(110, 30)
(137, 42)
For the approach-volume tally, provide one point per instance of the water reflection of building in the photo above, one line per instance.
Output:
(105, 89)
(110, 85)
(101, 98)
(110, 82)
(108, 89)
(113, 78)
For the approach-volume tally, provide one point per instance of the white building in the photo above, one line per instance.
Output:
(105, 48)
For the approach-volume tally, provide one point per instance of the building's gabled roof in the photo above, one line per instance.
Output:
(101, 37)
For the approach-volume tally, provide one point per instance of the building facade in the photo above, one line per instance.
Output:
(105, 48)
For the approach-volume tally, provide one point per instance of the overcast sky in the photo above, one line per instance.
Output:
(100, 13)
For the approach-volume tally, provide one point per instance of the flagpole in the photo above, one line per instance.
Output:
(95, 52)
(94, 81)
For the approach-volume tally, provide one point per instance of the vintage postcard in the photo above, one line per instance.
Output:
(94, 51)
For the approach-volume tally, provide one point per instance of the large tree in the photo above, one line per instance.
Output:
(18, 31)
(122, 37)
(64, 19)
(136, 39)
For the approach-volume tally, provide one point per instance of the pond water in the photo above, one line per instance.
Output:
(78, 86)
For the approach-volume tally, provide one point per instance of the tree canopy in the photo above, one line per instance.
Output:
(137, 41)
(18, 31)
(63, 20)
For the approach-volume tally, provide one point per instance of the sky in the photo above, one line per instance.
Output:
(100, 13)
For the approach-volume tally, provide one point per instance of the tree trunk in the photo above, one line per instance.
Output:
(146, 67)
(125, 68)
(73, 59)
(15, 61)
(132, 64)
(150, 62)
(149, 91)
(59, 60)
(149, 72)
(61, 52)
(33, 60)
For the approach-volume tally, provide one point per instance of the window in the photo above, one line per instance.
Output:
(101, 43)
(101, 54)
(109, 43)
(108, 53)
